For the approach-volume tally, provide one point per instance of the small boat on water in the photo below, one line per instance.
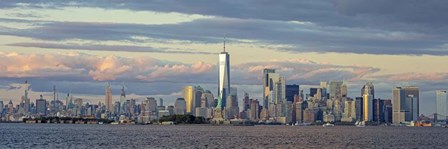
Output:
(296, 124)
(328, 125)
(360, 124)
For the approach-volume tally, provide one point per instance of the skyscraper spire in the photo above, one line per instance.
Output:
(224, 43)
(224, 77)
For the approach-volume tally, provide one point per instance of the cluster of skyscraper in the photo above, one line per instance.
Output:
(280, 103)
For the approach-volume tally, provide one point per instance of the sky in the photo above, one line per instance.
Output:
(155, 48)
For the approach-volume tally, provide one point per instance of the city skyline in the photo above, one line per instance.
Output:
(157, 50)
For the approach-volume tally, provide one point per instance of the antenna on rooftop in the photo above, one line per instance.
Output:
(225, 42)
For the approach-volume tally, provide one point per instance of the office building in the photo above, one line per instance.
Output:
(367, 107)
(224, 77)
(359, 107)
(335, 89)
(378, 111)
(180, 106)
(405, 104)
(210, 98)
(349, 111)
(268, 85)
(246, 102)
(300, 108)
(192, 96)
(344, 90)
(41, 106)
(161, 101)
(1, 107)
(368, 88)
(254, 110)
(291, 91)
(313, 92)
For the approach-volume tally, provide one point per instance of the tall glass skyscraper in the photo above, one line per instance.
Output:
(224, 78)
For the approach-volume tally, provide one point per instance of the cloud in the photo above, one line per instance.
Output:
(417, 77)
(91, 67)
(306, 71)
(96, 47)
(294, 37)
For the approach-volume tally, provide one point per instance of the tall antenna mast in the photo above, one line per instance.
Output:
(224, 42)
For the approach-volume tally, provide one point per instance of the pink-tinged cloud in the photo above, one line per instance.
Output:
(99, 68)
(170, 72)
(106, 68)
(303, 70)
(434, 77)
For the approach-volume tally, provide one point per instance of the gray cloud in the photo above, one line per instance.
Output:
(346, 26)
(305, 37)
(119, 48)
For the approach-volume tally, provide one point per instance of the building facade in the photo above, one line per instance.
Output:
(224, 78)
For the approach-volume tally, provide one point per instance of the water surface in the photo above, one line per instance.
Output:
(206, 136)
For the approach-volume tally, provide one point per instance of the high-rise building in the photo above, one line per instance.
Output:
(335, 88)
(349, 111)
(78, 106)
(387, 111)
(210, 98)
(442, 104)
(224, 77)
(368, 88)
(180, 106)
(323, 87)
(246, 102)
(108, 100)
(274, 88)
(192, 96)
(344, 90)
(254, 110)
(300, 108)
(359, 107)
(151, 104)
(368, 107)
(41, 106)
(378, 110)
(189, 93)
(313, 91)
(291, 91)
(367, 94)
(1, 108)
(412, 102)
(232, 108)
(161, 101)
(267, 85)
(405, 104)
(234, 94)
